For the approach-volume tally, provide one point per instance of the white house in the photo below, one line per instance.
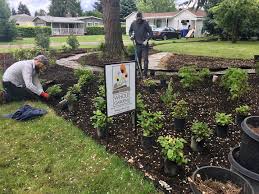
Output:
(178, 20)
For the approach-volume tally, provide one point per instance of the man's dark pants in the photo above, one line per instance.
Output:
(15, 93)
(143, 51)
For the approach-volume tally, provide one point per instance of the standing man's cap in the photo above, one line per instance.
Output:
(42, 59)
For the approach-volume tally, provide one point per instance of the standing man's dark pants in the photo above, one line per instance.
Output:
(143, 51)
(15, 93)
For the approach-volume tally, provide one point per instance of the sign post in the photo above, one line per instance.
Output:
(120, 82)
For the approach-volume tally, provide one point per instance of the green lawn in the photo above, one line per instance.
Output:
(242, 49)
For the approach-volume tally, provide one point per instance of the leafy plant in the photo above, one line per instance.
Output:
(223, 119)
(70, 97)
(75, 89)
(42, 39)
(54, 90)
(191, 75)
(162, 76)
(65, 48)
(73, 42)
(200, 131)
(85, 76)
(243, 110)
(101, 91)
(180, 110)
(100, 120)
(150, 122)
(172, 149)
(101, 47)
(149, 83)
(141, 106)
(99, 103)
(236, 81)
(169, 96)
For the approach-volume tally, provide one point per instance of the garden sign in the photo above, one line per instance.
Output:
(120, 88)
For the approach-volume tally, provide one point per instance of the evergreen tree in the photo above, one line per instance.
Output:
(13, 11)
(23, 9)
(62, 8)
(156, 5)
(40, 13)
(127, 7)
(98, 6)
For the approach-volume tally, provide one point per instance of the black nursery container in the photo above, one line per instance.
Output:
(170, 167)
(221, 175)
(251, 177)
(163, 82)
(222, 131)
(147, 142)
(179, 124)
(249, 148)
(240, 119)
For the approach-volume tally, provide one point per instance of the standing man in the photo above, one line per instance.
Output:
(141, 33)
(21, 82)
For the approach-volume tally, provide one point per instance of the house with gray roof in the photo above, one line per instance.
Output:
(61, 26)
(23, 19)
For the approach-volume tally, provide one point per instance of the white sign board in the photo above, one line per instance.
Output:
(120, 88)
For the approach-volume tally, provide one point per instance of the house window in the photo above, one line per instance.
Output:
(89, 23)
(96, 23)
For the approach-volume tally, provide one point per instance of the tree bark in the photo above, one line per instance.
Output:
(114, 47)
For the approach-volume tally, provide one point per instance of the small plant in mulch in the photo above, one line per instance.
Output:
(200, 132)
(101, 91)
(172, 149)
(84, 75)
(223, 121)
(191, 75)
(71, 100)
(180, 113)
(151, 84)
(236, 81)
(141, 106)
(215, 187)
(100, 122)
(169, 96)
(54, 90)
(75, 89)
(99, 103)
(150, 122)
(242, 112)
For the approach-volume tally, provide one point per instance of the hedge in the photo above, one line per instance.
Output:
(99, 30)
(30, 32)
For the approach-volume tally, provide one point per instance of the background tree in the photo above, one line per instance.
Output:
(13, 11)
(127, 7)
(62, 8)
(98, 6)
(23, 9)
(155, 5)
(41, 12)
(93, 13)
(113, 36)
(8, 28)
(234, 16)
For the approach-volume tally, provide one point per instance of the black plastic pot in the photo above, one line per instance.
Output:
(163, 82)
(179, 124)
(197, 146)
(147, 142)
(251, 177)
(222, 175)
(222, 131)
(249, 148)
(101, 133)
(170, 167)
(240, 119)
(152, 73)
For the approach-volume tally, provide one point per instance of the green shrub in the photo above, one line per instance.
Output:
(54, 90)
(169, 96)
(75, 89)
(8, 31)
(141, 106)
(73, 42)
(200, 131)
(243, 110)
(223, 119)
(100, 120)
(70, 97)
(65, 48)
(130, 50)
(172, 149)
(99, 30)
(149, 82)
(30, 32)
(25, 54)
(99, 103)
(42, 39)
(236, 81)
(191, 75)
(180, 110)
(150, 122)
(101, 91)
(84, 75)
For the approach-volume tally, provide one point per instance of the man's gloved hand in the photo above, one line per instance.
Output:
(145, 42)
(44, 95)
(132, 37)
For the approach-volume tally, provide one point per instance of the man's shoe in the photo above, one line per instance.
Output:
(2, 97)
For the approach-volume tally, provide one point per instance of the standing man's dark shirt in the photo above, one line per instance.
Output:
(141, 33)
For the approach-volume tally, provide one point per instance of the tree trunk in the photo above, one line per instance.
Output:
(113, 36)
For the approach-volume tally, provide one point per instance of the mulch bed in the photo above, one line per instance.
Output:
(175, 61)
(204, 101)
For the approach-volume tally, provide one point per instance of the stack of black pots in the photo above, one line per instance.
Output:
(245, 159)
